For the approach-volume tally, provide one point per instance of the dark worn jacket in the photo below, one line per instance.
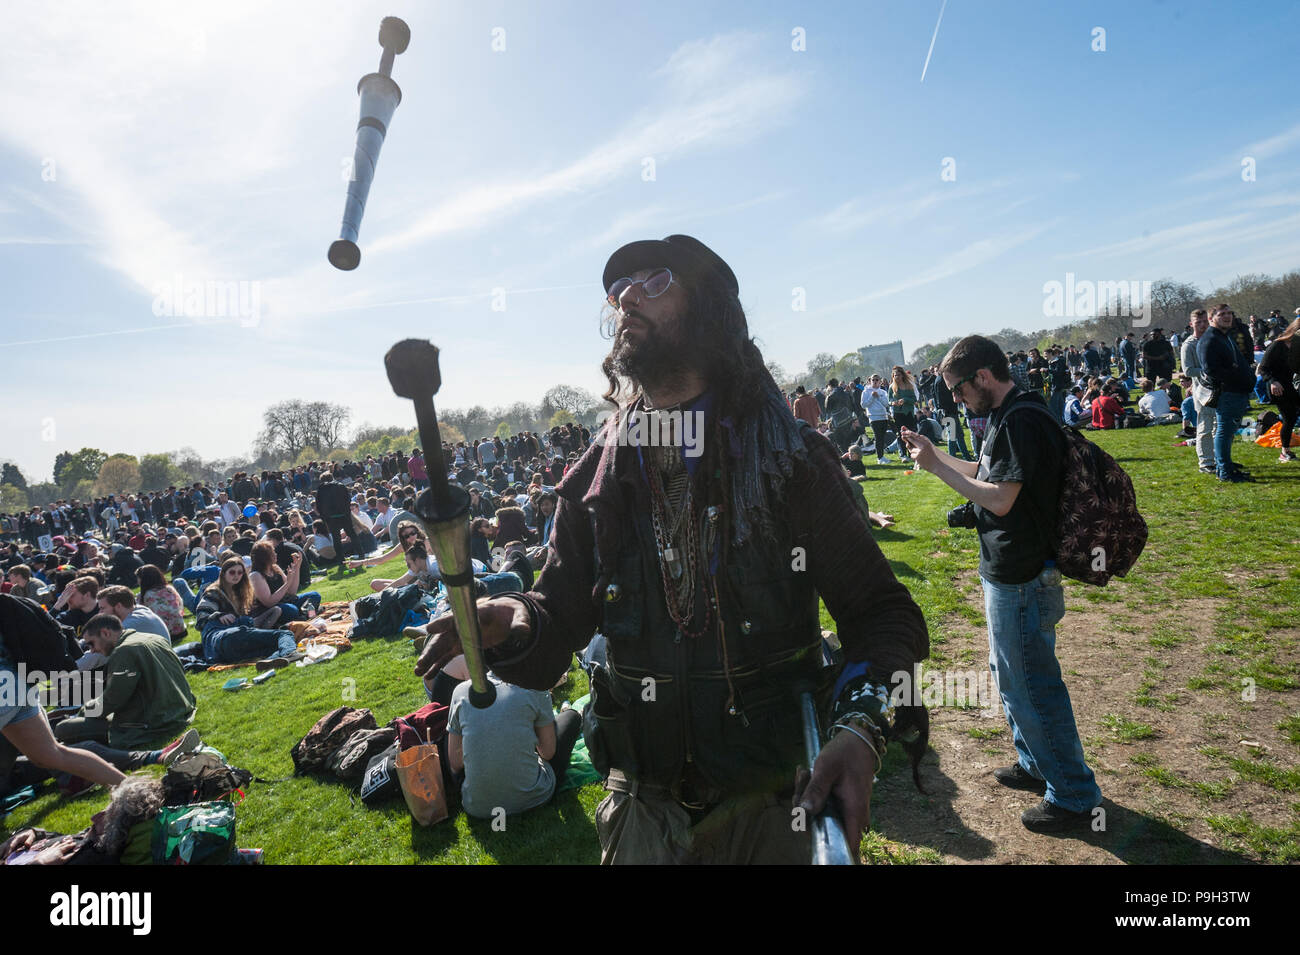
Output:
(1225, 367)
(722, 715)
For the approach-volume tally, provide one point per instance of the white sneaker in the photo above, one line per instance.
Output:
(180, 747)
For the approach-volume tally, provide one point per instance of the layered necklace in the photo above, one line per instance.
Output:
(673, 513)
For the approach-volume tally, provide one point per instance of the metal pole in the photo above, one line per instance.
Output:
(830, 845)
(412, 367)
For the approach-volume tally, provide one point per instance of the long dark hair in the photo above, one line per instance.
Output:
(150, 578)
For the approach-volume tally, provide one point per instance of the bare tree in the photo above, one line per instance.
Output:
(293, 425)
(1172, 303)
(577, 401)
(819, 369)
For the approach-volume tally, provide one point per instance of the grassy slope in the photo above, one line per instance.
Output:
(1199, 529)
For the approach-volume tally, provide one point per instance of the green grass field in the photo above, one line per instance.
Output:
(1228, 550)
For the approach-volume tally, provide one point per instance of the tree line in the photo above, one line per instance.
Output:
(293, 433)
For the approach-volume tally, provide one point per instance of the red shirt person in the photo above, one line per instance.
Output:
(1104, 410)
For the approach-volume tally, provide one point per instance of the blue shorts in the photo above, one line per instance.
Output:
(13, 698)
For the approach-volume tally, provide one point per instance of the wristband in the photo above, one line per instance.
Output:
(851, 729)
(863, 726)
(868, 698)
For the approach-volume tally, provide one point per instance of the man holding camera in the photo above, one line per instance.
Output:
(1013, 492)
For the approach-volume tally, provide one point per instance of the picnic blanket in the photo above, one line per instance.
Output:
(337, 620)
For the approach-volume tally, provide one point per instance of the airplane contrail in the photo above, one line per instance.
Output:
(930, 52)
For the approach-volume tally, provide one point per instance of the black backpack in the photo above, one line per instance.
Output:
(201, 777)
(32, 636)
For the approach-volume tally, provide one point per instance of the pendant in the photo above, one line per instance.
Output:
(673, 561)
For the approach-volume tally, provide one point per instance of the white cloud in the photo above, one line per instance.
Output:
(895, 209)
(153, 115)
(1230, 165)
(969, 257)
(717, 96)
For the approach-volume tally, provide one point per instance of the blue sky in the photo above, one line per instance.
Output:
(139, 142)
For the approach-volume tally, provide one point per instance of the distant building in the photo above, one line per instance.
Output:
(882, 357)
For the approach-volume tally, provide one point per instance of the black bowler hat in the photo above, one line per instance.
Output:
(683, 254)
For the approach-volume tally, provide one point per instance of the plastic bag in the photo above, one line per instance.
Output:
(419, 771)
(1272, 438)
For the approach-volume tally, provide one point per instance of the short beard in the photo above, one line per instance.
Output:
(983, 403)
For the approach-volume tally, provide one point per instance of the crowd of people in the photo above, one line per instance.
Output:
(1200, 378)
(121, 573)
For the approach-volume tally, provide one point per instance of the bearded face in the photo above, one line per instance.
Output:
(651, 343)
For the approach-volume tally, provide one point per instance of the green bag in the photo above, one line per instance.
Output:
(199, 834)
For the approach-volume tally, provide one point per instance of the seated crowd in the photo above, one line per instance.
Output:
(126, 570)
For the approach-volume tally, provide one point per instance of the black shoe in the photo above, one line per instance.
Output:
(1049, 817)
(274, 663)
(1015, 777)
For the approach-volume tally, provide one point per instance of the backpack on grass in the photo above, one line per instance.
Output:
(1099, 531)
(202, 777)
(312, 753)
(201, 834)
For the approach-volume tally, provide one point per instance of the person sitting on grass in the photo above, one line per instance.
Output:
(230, 635)
(400, 518)
(146, 695)
(1076, 412)
(275, 589)
(320, 547)
(120, 602)
(420, 567)
(1154, 402)
(514, 753)
(1105, 408)
(20, 581)
(162, 598)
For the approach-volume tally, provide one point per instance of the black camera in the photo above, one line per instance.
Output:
(962, 516)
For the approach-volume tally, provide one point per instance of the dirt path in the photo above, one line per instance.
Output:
(1164, 768)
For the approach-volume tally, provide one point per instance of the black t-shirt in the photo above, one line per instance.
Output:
(284, 554)
(1029, 447)
(854, 466)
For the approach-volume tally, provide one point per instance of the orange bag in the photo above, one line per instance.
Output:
(419, 771)
(1272, 438)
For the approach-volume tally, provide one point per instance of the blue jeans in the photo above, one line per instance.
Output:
(1022, 622)
(291, 608)
(957, 439)
(1232, 405)
(202, 575)
(242, 641)
(188, 596)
